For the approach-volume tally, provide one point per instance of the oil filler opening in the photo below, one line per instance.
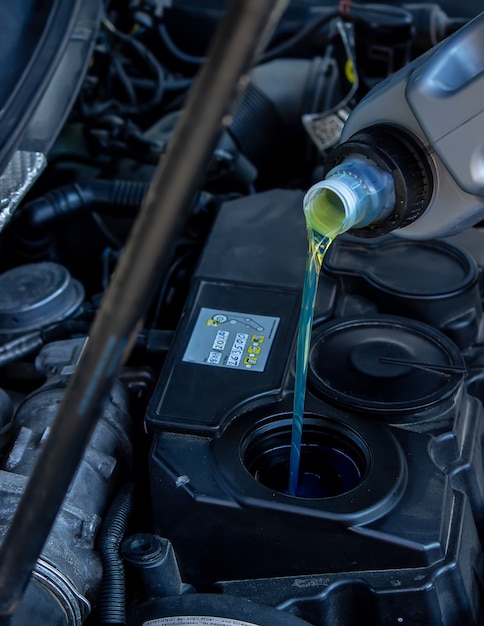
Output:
(334, 459)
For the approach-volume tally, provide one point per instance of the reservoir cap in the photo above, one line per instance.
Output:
(384, 364)
(430, 281)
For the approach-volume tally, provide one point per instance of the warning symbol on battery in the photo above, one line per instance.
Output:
(250, 360)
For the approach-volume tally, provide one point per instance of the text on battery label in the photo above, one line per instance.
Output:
(237, 350)
(220, 340)
(214, 357)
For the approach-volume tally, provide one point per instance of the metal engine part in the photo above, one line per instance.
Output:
(68, 573)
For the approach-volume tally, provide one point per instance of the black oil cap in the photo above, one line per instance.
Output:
(384, 365)
(430, 281)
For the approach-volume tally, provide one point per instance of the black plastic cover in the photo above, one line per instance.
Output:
(404, 505)
(253, 265)
(211, 609)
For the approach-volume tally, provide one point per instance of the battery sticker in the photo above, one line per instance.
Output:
(231, 339)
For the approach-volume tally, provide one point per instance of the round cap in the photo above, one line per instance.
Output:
(384, 364)
(36, 295)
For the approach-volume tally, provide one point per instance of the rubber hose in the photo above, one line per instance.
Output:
(111, 605)
(118, 197)
(19, 347)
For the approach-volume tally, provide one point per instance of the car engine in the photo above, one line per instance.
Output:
(178, 512)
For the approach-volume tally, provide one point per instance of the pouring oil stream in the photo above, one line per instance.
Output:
(325, 220)
(355, 194)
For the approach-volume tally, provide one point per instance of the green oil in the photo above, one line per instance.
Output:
(325, 220)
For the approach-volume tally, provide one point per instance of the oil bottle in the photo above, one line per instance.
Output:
(421, 132)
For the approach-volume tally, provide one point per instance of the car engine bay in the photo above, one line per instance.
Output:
(178, 513)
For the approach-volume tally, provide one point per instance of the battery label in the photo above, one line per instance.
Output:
(231, 339)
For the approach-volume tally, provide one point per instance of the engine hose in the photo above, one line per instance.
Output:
(119, 197)
(111, 605)
(19, 347)
(31, 342)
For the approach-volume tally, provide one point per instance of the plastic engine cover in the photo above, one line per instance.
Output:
(392, 512)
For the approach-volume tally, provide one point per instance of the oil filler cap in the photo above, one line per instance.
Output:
(384, 364)
(430, 281)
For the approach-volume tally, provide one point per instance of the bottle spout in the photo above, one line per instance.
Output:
(354, 194)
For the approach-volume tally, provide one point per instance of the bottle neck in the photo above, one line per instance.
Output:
(354, 194)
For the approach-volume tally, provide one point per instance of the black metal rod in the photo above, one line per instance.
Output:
(243, 32)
